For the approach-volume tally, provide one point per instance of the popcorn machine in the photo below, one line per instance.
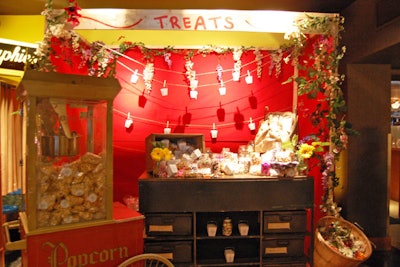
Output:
(70, 218)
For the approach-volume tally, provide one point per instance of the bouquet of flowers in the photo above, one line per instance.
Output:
(160, 155)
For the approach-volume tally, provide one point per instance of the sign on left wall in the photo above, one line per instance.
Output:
(13, 57)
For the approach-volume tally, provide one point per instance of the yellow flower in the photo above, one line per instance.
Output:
(306, 151)
(167, 153)
(157, 154)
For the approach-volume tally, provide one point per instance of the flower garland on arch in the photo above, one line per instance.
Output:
(101, 61)
(321, 77)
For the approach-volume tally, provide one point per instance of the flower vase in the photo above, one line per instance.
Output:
(156, 168)
(160, 169)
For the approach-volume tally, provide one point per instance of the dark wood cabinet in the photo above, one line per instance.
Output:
(277, 215)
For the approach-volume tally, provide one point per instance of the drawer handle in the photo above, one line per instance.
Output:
(283, 242)
(285, 218)
(168, 220)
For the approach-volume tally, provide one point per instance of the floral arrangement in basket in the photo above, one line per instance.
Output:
(160, 154)
(338, 235)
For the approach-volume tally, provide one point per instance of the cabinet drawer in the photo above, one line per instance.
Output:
(283, 246)
(169, 224)
(285, 222)
(176, 251)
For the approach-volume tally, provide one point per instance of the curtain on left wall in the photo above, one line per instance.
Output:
(12, 140)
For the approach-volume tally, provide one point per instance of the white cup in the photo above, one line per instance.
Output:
(134, 78)
(236, 76)
(252, 126)
(249, 79)
(167, 130)
(212, 228)
(128, 123)
(222, 90)
(229, 255)
(193, 94)
(243, 228)
(193, 84)
(214, 133)
(164, 91)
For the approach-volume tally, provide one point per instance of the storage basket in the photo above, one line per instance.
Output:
(325, 255)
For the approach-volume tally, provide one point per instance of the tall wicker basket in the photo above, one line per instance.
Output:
(325, 255)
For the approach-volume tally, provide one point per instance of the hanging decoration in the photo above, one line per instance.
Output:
(219, 70)
(134, 77)
(128, 121)
(148, 74)
(214, 132)
(276, 62)
(190, 73)
(72, 12)
(249, 78)
(237, 54)
(222, 89)
(167, 129)
(252, 125)
(164, 89)
(167, 59)
(259, 63)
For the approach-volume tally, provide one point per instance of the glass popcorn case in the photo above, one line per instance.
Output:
(69, 137)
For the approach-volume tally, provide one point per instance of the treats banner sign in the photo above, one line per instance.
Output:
(193, 20)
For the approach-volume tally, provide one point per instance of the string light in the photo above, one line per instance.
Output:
(214, 132)
(128, 121)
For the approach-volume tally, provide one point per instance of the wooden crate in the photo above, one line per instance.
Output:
(196, 140)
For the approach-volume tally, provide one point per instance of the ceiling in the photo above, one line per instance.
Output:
(35, 7)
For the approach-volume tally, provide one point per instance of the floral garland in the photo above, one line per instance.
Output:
(320, 77)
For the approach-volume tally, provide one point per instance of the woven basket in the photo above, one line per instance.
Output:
(325, 255)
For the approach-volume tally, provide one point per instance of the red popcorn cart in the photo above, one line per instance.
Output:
(70, 217)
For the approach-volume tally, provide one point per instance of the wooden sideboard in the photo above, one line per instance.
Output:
(279, 213)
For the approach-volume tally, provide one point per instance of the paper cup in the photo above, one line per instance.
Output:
(212, 228)
(249, 79)
(236, 76)
(193, 84)
(164, 91)
(252, 126)
(193, 94)
(128, 123)
(214, 133)
(229, 255)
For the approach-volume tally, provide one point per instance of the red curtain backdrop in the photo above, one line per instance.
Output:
(230, 113)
